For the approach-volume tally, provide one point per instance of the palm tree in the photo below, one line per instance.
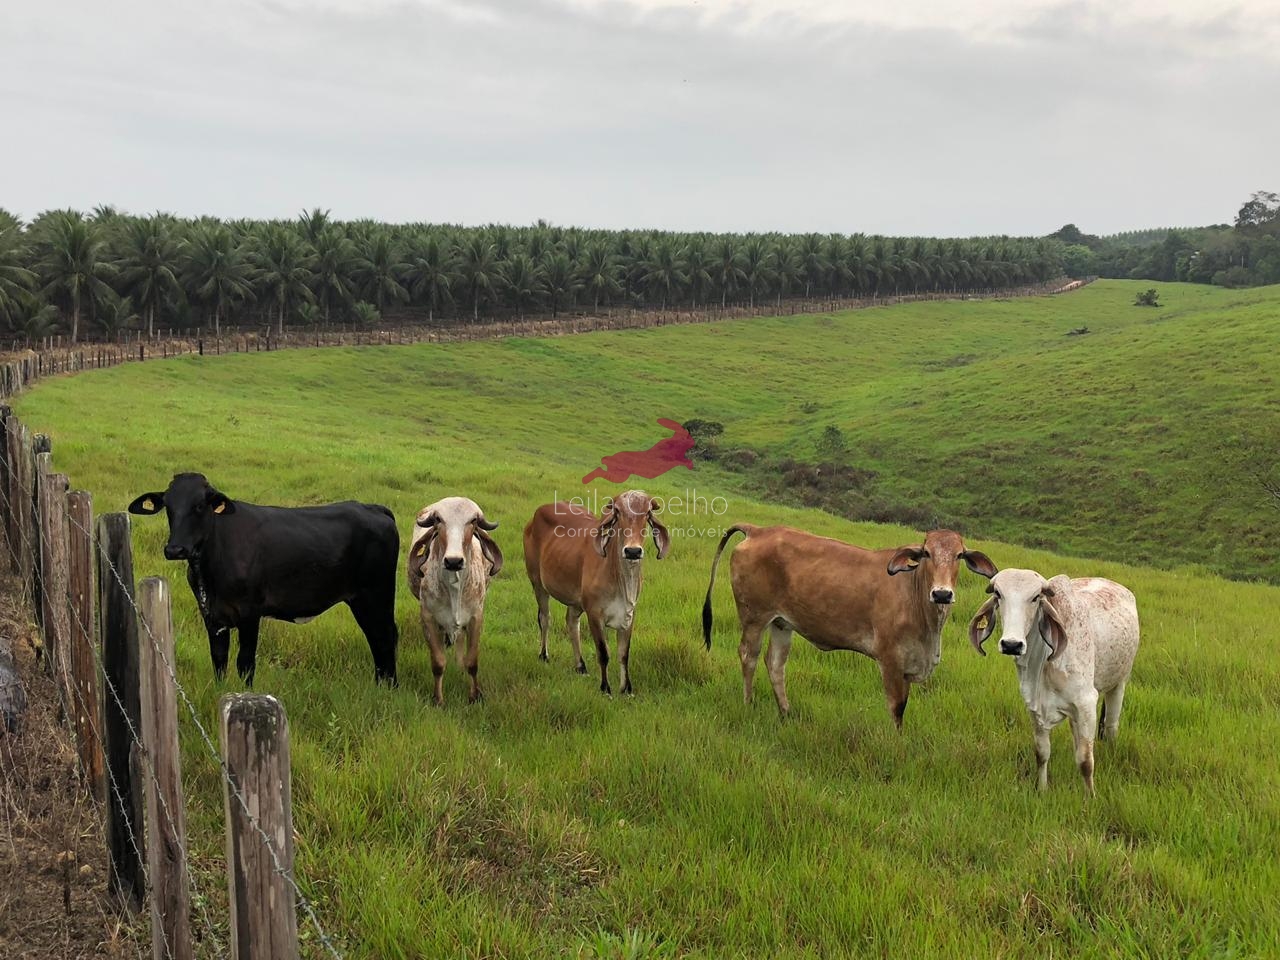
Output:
(114, 314)
(314, 223)
(31, 318)
(430, 272)
(217, 271)
(599, 272)
(559, 279)
(309, 314)
(697, 269)
(70, 263)
(147, 265)
(283, 262)
(16, 281)
(813, 261)
(664, 270)
(335, 266)
(757, 264)
(788, 266)
(365, 314)
(523, 279)
(726, 266)
(478, 267)
(378, 267)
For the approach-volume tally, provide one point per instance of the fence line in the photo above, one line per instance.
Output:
(52, 356)
(32, 554)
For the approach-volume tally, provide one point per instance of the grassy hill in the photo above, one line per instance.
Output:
(549, 821)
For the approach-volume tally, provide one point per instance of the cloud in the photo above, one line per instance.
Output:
(712, 115)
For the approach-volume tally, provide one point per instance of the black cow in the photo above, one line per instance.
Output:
(245, 562)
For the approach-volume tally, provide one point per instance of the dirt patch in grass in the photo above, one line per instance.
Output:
(54, 901)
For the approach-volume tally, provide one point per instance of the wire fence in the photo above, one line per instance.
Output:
(39, 530)
(51, 355)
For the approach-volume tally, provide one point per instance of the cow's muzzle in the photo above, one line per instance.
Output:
(942, 596)
(1013, 648)
(633, 553)
(174, 552)
(453, 563)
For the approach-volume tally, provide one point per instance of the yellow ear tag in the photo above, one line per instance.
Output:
(420, 550)
(982, 623)
(913, 563)
(148, 504)
(222, 505)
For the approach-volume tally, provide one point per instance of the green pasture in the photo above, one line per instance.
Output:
(549, 821)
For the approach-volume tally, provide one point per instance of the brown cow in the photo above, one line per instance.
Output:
(841, 597)
(572, 555)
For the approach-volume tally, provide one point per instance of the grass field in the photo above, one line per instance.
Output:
(549, 821)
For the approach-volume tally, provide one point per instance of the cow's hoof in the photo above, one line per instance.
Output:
(476, 697)
(542, 655)
(581, 667)
(605, 689)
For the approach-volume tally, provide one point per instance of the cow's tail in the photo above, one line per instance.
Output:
(745, 529)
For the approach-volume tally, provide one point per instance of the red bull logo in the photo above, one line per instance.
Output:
(654, 462)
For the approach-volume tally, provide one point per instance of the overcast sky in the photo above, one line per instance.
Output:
(940, 117)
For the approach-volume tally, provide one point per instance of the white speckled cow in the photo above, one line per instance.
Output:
(1073, 640)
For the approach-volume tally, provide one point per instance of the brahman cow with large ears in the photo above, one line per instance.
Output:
(592, 565)
(451, 559)
(841, 597)
(1073, 641)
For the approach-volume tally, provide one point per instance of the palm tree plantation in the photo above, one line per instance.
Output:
(93, 276)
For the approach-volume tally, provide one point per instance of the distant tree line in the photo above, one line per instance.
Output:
(1243, 254)
(97, 274)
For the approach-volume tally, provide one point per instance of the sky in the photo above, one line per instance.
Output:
(935, 117)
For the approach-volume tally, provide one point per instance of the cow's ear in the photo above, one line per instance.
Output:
(219, 503)
(1052, 628)
(661, 536)
(979, 563)
(604, 533)
(147, 504)
(907, 558)
(983, 622)
(492, 552)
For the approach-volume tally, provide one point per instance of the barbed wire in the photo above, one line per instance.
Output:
(143, 753)
(142, 622)
(277, 866)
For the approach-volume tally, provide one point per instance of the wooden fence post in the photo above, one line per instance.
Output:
(54, 579)
(255, 745)
(32, 470)
(166, 819)
(12, 437)
(84, 671)
(121, 707)
(5, 411)
(20, 500)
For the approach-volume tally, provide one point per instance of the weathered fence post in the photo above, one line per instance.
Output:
(121, 707)
(54, 578)
(84, 673)
(166, 819)
(255, 745)
(40, 444)
(5, 411)
(20, 466)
